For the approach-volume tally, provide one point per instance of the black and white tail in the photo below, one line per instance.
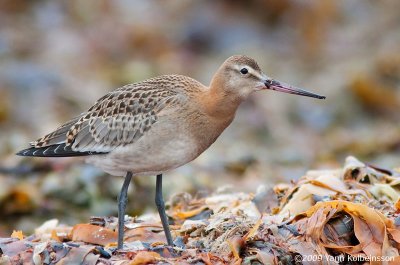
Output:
(56, 150)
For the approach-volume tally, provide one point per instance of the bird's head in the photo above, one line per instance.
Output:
(240, 75)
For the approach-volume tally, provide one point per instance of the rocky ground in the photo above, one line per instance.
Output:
(348, 215)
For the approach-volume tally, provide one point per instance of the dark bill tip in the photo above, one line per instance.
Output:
(285, 88)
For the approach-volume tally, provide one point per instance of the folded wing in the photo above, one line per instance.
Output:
(117, 119)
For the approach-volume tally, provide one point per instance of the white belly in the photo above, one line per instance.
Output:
(164, 147)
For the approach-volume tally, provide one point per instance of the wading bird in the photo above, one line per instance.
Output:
(156, 125)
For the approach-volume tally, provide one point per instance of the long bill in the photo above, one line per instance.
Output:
(285, 88)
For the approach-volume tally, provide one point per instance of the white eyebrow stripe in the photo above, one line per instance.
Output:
(254, 72)
(251, 71)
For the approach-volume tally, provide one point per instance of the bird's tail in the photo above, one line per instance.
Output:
(56, 150)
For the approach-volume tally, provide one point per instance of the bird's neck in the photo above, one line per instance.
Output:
(219, 101)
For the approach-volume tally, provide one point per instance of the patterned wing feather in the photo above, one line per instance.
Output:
(117, 119)
(57, 136)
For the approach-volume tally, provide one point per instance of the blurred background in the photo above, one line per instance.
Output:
(58, 57)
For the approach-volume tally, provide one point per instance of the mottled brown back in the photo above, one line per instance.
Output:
(120, 117)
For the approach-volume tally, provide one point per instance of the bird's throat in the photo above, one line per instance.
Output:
(219, 104)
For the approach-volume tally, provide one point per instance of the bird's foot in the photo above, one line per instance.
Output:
(167, 251)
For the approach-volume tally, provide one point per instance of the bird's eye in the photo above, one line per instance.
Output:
(244, 71)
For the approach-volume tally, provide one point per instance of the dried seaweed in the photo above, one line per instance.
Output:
(326, 217)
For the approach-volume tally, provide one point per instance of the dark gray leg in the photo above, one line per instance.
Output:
(122, 200)
(161, 210)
